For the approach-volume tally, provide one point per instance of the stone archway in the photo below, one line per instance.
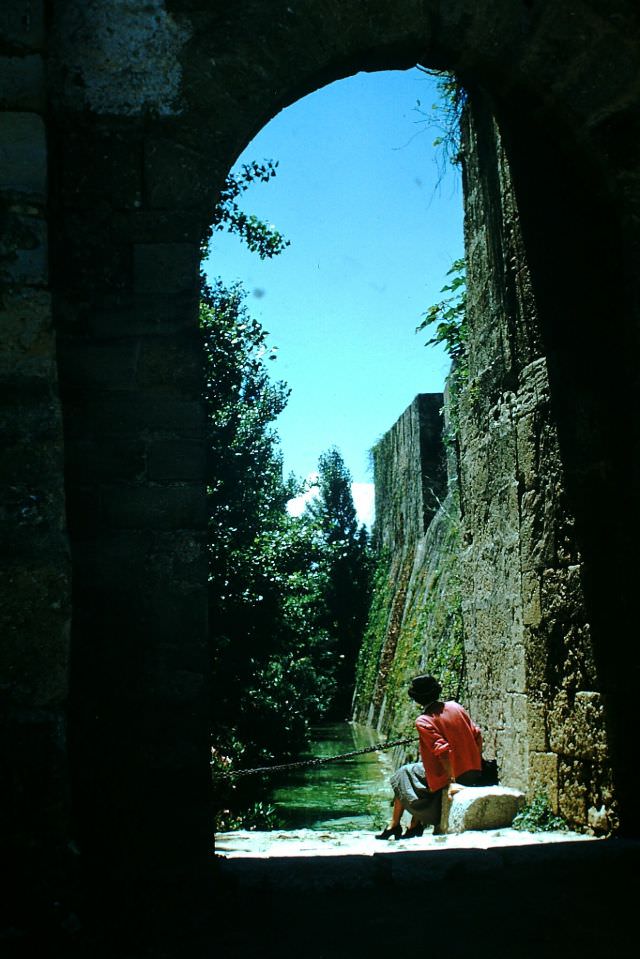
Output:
(148, 109)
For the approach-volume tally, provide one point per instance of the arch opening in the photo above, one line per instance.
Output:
(546, 196)
(373, 233)
(534, 221)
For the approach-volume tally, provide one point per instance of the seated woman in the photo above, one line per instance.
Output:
(451, 754)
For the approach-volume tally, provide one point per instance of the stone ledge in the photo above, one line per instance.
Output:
(318, 861)
(480, 807)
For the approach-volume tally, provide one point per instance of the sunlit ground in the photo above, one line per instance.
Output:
(307, 842)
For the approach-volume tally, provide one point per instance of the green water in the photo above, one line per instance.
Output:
(340, 796)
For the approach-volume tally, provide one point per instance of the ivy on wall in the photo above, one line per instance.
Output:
(373, 640)
(415, 626)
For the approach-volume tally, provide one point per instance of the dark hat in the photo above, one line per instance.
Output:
(425, 689)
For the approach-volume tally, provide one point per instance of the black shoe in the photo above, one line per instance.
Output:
(413, 831)
(389, 832)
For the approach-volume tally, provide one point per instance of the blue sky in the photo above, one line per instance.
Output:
(372, 237)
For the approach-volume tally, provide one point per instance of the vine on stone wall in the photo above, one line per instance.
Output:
(445, 117)
(450, 315)
(415, 626)
(373, 641)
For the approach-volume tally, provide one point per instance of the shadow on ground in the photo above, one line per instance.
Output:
(562, 900)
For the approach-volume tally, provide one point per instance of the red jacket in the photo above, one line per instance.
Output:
(448, 728)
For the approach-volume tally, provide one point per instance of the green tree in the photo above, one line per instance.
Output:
(280, 627)
(348, 568)
(271, 650)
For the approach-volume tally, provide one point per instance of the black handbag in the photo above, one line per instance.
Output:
(489, 774)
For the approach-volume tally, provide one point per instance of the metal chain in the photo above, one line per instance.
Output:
(318, 761)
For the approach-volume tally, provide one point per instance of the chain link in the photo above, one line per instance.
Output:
(305, 763)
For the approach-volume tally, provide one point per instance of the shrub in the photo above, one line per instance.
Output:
(538, 816)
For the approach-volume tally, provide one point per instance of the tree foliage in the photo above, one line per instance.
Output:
(348, 563)
(283, 628)
(272, 674)
(261, 238)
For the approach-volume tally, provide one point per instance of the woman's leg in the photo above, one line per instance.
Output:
(396, 815)
(394, 829)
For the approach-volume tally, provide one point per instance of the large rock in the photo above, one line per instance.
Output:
(480, 807)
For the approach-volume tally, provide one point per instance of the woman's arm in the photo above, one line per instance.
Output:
(453, 786)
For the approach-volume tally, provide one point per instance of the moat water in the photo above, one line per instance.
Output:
(341, 796)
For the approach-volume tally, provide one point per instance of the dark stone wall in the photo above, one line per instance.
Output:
(126, 258)
(573, 229)
(35, 601)
(534, 680)
(138, 110)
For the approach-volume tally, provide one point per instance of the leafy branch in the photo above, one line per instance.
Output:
(445, 117)
(261, 238)
(450, 316)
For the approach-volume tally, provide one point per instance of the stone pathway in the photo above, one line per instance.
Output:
(494, 893)
(309, 842)
(323, 861)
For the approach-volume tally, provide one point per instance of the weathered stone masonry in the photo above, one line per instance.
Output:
(532, 677)
(415, 619)
(534, 681)
(119, 121)
(410, 472)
